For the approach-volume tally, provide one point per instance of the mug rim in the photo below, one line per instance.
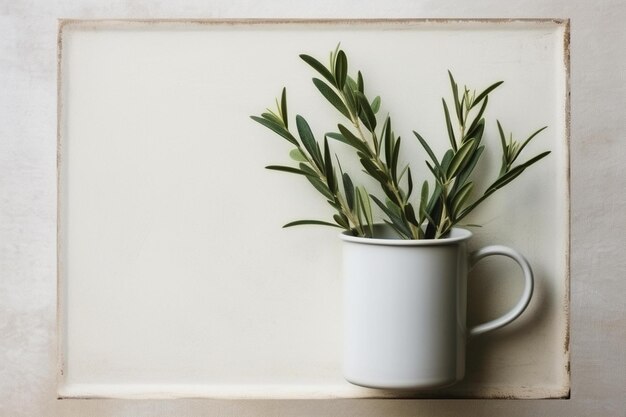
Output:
(457, 234)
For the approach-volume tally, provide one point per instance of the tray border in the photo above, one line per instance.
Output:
(253, 394)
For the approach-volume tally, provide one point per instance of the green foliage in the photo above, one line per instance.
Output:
(440, 207)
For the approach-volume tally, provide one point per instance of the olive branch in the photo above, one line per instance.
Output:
(378, 150)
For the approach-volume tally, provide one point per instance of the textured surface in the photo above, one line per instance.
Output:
(159, 248)
(28, 208)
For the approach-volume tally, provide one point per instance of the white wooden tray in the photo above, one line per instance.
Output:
(175, 277)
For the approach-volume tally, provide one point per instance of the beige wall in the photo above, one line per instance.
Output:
(28, 206)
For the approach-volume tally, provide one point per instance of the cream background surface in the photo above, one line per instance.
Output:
(176, 278)
(28, 208)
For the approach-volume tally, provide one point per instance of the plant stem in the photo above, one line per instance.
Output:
(338, 197)
(416, 231)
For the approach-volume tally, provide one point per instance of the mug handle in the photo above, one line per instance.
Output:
(526, 295)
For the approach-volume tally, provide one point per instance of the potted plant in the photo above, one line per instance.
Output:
(405, 277)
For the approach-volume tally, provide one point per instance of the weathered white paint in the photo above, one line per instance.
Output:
(28, 209)
(161, 190)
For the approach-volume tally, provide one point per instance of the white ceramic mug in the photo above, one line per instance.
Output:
(405, 305)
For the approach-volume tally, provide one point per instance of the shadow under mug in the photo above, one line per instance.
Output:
(405, 304)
